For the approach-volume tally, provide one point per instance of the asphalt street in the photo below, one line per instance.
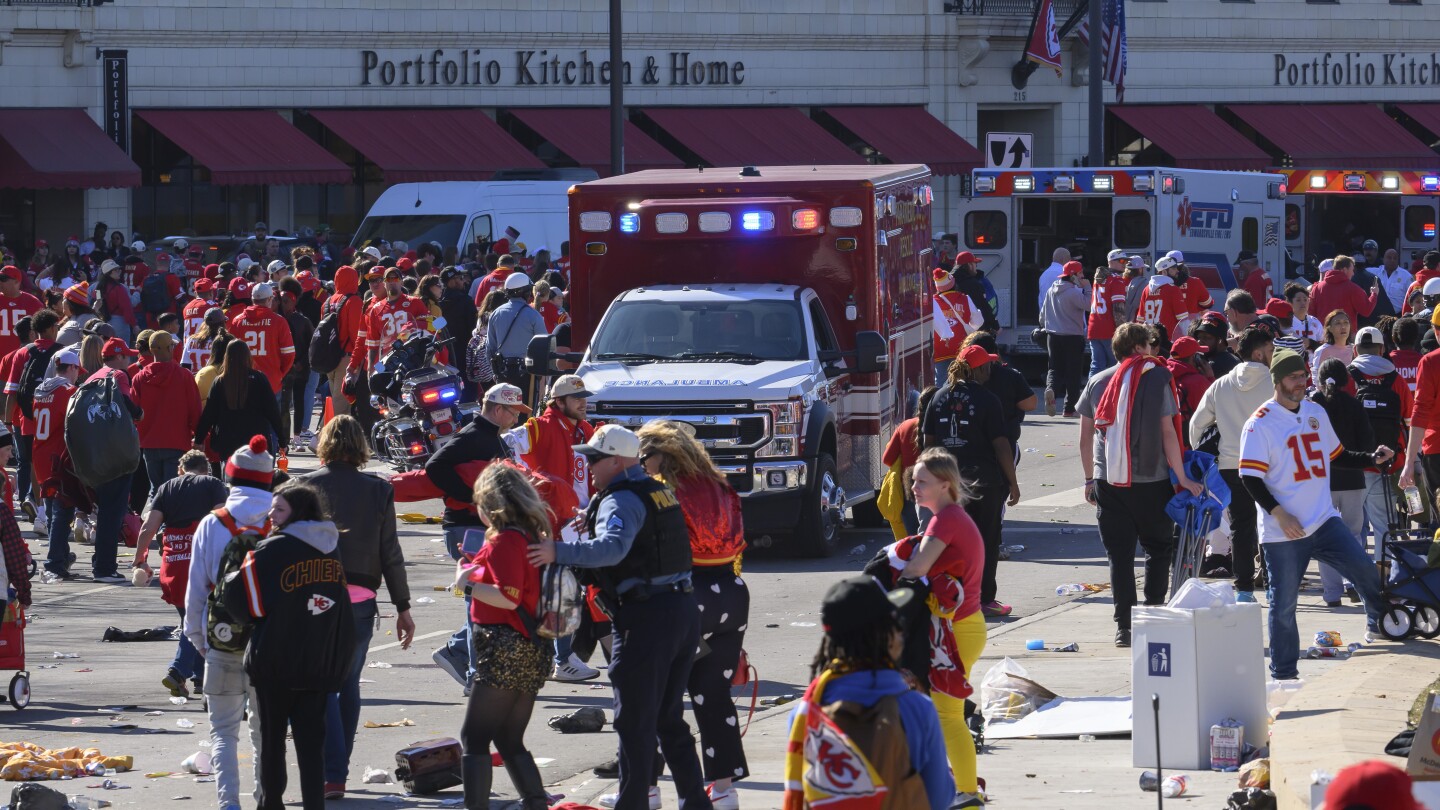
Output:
(110, 696)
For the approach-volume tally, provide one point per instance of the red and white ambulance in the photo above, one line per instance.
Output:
(780, 312)
(1333, 211)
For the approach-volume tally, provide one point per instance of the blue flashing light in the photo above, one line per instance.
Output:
(448, 393)
(757, 221)
(1430, 182)
(1428, 230)
(629, 223)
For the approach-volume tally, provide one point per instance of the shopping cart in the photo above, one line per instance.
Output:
(12, 654)
(1196, 516)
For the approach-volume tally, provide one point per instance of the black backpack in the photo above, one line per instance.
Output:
(36, 363)
(326, 347)
(1382, 404)
(155, 293)
(224, 631)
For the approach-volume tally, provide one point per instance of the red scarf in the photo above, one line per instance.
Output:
(1115, 409)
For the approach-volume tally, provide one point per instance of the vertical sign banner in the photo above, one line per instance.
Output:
(116, 84)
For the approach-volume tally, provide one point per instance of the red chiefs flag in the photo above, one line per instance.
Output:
(1044, 47)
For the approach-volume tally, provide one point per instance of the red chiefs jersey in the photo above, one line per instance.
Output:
(1258, 285)
(192, 316)
(18, 361)
(1197, 298)
(49, 413)
(546, 447)
(133, 275)
(955, 317)
(1103, 296)
(23, 305)
(1162, 304)
(272, 349)
(385, 320)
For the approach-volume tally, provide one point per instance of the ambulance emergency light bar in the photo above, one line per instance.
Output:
(750, 220)
(1359, 182)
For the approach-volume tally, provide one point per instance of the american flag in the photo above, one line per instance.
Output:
(1112, 40)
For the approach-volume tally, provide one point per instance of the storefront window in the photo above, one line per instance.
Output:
(1132, 229)
(985, 230)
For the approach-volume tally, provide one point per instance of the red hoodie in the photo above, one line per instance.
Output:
(1418, 284)
(1191, 384)
(170, 406)
(1335, 291)
(351, 304)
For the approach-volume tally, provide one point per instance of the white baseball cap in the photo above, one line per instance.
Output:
(262, 291)
(180, 244)
(1369, 336)
(371, 251)
(1137, 262)
(568, 385)
(274, 267)
(517, 281)
(507, 395)
(67, 357)
(1176, 255)
(137, 246)
(1326, 265)
(1165, 263)
(245, 263)
(610, 441)
(1116, 255)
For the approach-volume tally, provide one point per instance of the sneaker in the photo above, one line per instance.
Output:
(1069, 414)
(42, 528)
(574, 670)
(729, 800)
(611, 769)
(29, 510)
(613, 799)
(1049, 402)
(1122, 637)
(1352, 594)
(995, 608)
(966, 800)
(110, 579)
(453, 668)
(334, 790)
(176, 684)
(1244, 596)
(1332, 603)
(1372, 636)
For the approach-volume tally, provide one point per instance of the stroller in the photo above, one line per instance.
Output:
(1196, 515)
(12, 654)
(1407, 581)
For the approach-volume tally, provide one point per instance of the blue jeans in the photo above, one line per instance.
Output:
(112, 501)
(342, 709)
(188, 661)
(24, 450)
(121, 327)
(1286, 562)
(160, 466)
(1377, 513)
(299, 396)
(60, 517)
(1102, 356)
(459, 643)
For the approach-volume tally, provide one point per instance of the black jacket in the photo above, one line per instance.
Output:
(293, 587)
(228, 428)
(478, 441)
(363, 509)
(460, 316)
(301, 331)
(1352, 428)
(973, 287)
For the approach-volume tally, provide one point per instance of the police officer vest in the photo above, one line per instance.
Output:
(661, 546)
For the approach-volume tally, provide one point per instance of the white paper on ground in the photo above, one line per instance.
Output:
(1068, 717)
(1196, 594)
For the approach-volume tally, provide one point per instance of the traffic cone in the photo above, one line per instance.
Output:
(329, 412)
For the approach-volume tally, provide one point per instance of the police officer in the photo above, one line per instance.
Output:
(638, 554)
(509, 332)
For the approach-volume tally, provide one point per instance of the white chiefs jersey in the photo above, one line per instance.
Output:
(1291, 452)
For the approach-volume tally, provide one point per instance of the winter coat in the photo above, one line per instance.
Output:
(170, 402)
(228, 428)
(363, 507)
(1228, 403)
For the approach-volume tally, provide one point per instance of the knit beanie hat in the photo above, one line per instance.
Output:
(251, 465)
(1285, 363)
(943, 280)
(7, 439)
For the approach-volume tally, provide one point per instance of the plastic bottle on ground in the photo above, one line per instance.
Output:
(1073, 587)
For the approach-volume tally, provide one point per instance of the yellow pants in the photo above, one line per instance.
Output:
(959, 745)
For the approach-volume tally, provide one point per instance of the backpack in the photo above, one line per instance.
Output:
(222, 630)
(36, 364)
(560, 603)
(100, 433)
(326, 347)
(155, 293)
(1382, 404)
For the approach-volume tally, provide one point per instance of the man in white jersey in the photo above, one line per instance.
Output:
(1285, 454)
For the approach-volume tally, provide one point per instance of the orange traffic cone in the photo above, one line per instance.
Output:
(329, 412)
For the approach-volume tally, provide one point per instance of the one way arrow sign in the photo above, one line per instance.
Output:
(1008, 150)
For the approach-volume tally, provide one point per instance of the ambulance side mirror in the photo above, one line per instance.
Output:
(540, 356)
(872, 354)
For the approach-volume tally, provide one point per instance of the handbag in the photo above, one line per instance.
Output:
(745, 675)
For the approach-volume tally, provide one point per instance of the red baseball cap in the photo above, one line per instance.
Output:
(976, 356)
(11, 272)
(307, 280)
(240, 288)
(204, 285)
(405, 263)
(1072, 269)
(1371, 784)
(1184, 347)
(115, 347)
(1280, 308)
(965, 257)
(211, 271)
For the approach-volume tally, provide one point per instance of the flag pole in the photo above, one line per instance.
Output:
(1096, 155)
(1020, 74)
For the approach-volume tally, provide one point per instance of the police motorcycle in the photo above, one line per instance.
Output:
(418, 399)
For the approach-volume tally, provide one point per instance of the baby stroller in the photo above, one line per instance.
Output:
(12, 654)
(1196, 515)
(1407, 581)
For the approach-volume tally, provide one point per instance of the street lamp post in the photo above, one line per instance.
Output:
(617, 93)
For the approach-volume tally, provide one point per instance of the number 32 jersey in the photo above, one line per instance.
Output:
(1291, 452)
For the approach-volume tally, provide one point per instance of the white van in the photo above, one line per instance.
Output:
(458, 213)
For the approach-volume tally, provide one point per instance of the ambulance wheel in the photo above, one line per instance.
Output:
(1397, 623)
(1427, 621)
(823, 512)
(19, 691)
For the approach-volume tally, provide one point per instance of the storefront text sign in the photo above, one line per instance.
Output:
(1356, 69)
(541, 68)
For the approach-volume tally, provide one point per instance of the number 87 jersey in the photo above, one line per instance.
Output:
(1291, 452)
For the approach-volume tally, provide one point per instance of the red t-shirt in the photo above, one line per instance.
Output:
(1258, 285)
(550, 313)
(12, 383)
(494, 280)
(386, 319)
(964, 554)
(902, 446)
(1407, 363)
(12, 310)
(1164, 305)
(50, 432)
(272, 349)
(502, 562)
(1102, 317)
(1197, 298)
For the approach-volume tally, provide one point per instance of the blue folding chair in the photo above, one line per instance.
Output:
(1196, 515)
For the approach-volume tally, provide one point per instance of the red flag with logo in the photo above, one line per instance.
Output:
(1044, 46)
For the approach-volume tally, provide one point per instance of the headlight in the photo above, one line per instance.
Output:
(787, 428)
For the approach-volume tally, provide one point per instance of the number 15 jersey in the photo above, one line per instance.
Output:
(1291, 452)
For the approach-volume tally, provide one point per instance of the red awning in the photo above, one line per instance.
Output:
(1426, 115)
(43, 149)
(910, 135)
(752, 136)
(583, 133)
(418, 146)
(1194, 136)
(248, 147)
(1336, 136)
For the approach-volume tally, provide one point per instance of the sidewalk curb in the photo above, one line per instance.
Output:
(1048, 613)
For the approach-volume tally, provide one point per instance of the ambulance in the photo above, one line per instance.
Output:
(780, 313)
(1333, 212)
(1012, 221)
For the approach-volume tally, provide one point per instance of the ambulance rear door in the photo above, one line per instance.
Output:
(1418, 217)
(988, 230)
(1134, 229)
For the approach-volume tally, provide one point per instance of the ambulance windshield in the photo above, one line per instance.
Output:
(723, 331)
